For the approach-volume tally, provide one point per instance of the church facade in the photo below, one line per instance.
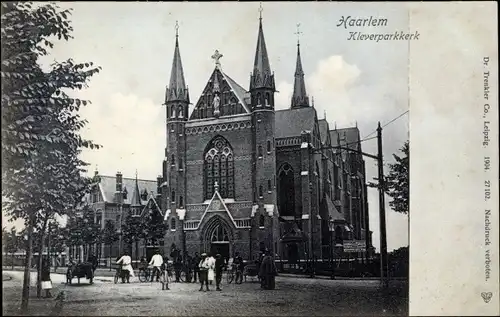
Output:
(241, 176)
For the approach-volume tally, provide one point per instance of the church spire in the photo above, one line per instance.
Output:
(262, 76)
(299, 97)
(177, 89)
(136, 196)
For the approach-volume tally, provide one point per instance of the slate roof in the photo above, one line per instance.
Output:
(108, 187)
(332, 210)
(239, 91)
(291, 122)
(351, 136)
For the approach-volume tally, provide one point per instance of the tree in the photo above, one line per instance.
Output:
(11, 242)
(133, 231)
(109, 235)
(397, 182)
(154, 225)
(41, 172)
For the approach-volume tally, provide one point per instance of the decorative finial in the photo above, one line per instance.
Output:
(176, 28)
(298, 33)
(356, 123)
(260, 11)
(216, 186)
(217, 56)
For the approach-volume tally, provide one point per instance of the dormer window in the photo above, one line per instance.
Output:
(125, 193)
(144, 194)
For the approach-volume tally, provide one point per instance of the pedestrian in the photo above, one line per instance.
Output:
(219, 267)
(156, 262)
(46, 281)
(196, 268)
(203, 265)
(178, 267)
(268, 271)
(188, 266)
(126, 262)
(238, 266)
(211, 268)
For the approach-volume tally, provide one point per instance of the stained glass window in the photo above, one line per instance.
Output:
(219, 167)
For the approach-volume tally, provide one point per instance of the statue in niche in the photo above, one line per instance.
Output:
(216, 104)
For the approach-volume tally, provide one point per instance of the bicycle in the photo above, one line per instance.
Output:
(145, 274)
(230, 275)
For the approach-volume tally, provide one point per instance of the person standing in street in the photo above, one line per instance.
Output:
(126, 262)
(178, 267)
(238, 266)
(156, 262)
(46, 281)
(211, 269)
(188, 266)
(203, 265)
(196, 268)
(268, 271)
(219, 267)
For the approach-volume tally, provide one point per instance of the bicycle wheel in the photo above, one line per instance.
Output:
(143, 276)
(230, 276)
(116, 278)
(183, 277)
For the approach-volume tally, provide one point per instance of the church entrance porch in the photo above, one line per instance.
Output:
(218, 237)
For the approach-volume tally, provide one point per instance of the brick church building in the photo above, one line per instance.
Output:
(240, 176)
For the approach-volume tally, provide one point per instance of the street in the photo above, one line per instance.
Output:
(293, 296)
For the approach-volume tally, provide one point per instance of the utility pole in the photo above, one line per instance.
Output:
(383, 234)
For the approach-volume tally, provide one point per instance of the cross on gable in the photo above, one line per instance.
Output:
(217, 56)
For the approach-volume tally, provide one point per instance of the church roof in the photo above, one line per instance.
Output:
(108, 187)
(239, 91)
(136, 195)
(349, 136)
(291, 122)
(323, 130)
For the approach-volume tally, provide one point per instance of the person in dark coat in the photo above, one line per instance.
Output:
(178, 267)
(93, 259)
(188, 265)
(46, 281)
(195, 264)
(268, 271)
(238, 266)
(219, 267)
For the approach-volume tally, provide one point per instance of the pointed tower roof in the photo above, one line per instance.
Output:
(299, 97)
(136, 196)
(262, 77)
(177, 89)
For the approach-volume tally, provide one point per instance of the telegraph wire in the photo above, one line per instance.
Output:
(385, 125)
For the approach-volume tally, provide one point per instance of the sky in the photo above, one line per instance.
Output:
(353, 82)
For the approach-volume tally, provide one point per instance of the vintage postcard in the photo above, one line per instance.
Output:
(231, 158)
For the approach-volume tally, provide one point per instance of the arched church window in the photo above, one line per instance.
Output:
(172, 224)
(269, 185)
(268, 146)
(172, 112)
(259, 101)
(286, 190)
(268, 99)
(173, 196)
(181, 201)
(179, 112)
(219, 234)
(260, 151)
(262, 221)
(181, 164)
(172, 159)
(261, 194)
(219, 167)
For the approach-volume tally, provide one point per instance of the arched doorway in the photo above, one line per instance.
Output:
(218, 237)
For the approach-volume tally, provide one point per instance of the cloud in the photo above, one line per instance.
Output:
(132, 132)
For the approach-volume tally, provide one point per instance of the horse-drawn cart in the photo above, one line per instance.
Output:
(79, 271)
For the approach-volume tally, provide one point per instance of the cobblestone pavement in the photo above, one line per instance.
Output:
(292, 297)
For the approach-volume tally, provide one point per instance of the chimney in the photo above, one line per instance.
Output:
(159, 181)
(119, 182)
